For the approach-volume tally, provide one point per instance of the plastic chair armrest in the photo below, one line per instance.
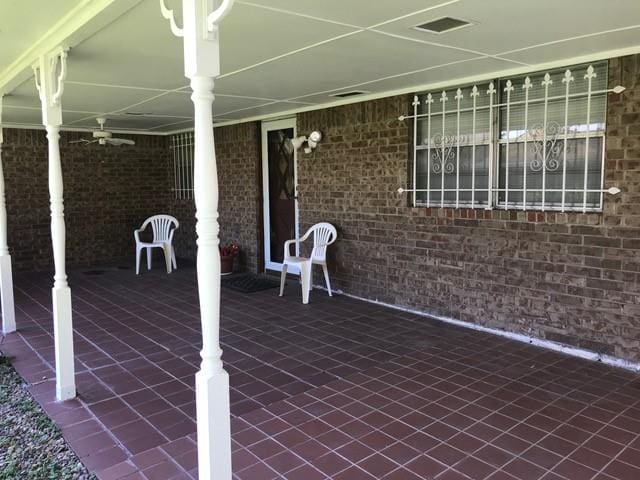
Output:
(306, 235)
(287, 248)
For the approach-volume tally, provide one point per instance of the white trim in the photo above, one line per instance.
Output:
(538, 342)
(265, 128)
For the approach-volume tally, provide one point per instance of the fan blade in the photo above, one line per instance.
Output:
(119, 141)
(82, 140)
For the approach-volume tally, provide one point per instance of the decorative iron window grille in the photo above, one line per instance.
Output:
(182, 147)
(533, 142)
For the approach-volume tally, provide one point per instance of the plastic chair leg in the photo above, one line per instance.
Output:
(173, 257)
(138, 260)
(283, 277)
(167, 256)
(326, 279)
(148, 258)
(305, 275)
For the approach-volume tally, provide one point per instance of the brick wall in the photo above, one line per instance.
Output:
(572, 278)
(108, 192)
(238, 160)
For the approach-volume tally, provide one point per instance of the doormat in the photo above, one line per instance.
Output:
(249, 282)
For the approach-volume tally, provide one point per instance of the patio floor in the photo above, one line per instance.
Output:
(336, 389)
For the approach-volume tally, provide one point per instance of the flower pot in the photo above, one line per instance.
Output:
(226, 265)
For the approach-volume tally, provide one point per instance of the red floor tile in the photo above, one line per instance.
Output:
(335, 389)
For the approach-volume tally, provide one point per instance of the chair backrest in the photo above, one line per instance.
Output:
(161, 225)
(323, 234)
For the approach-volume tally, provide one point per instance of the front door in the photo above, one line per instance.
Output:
(279, 190)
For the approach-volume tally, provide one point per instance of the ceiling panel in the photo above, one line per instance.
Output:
(80, 97)
(363, 13)
(180, 104)
(125, 54)
(262, 110)
(185, 124)
(25, 95)
(102, 99)
(137, 49)
(508, 25)
(249, 35)
(23, 22)
(33, 116)
(579, 47)
(361, 57)
(444, 74)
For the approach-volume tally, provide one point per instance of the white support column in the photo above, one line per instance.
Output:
(6, 277)
(50, 73)
(202, 65)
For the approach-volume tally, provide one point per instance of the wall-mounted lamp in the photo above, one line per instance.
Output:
(312, 141)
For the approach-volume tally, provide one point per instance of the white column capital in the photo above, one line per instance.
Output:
(50, 73)
(200, 34)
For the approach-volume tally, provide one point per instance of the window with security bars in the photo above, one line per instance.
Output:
(531, 142)
(182, 147)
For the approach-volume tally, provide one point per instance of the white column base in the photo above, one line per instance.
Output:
(6, 295)
(63, 339)
(214, 428)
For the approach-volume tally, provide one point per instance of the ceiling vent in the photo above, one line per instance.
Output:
(443, 25)
(351, 93)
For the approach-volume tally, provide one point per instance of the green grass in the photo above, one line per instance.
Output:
(31, 446)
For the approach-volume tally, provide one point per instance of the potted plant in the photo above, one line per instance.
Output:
(227, 254)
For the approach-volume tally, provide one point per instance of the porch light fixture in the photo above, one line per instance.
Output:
(312, 141)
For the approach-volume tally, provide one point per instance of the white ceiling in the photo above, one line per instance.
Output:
(280, 56)
(23, 22)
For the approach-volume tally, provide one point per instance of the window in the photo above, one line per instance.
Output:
(182, 147)
(531, 142)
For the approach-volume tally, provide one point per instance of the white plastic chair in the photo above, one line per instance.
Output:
(163, 228)
(324, 234)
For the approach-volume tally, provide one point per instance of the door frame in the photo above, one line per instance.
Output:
(266, 234)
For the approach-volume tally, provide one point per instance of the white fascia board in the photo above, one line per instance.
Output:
(85, 19)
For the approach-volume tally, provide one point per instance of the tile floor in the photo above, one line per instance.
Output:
(337, 389)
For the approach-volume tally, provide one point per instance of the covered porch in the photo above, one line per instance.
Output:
(338, 388)
(482, 174)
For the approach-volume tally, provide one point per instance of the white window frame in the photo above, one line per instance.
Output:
(493, 110)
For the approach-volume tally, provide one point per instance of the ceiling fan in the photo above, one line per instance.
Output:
(104, 137)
